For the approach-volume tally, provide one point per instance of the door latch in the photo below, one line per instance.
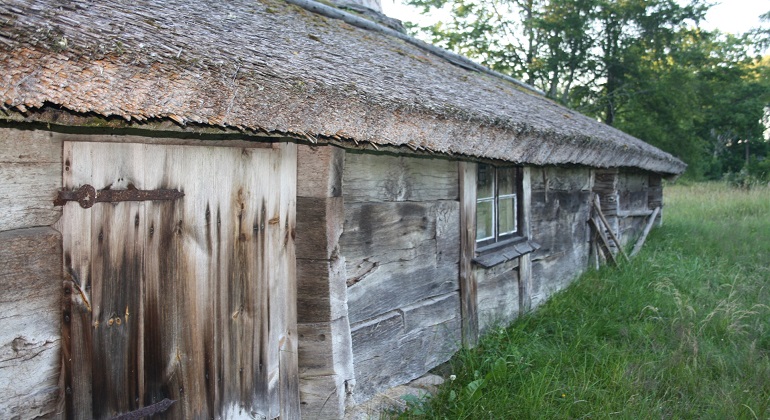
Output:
(87, 195)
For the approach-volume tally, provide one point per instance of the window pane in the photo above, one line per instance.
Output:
(486, 181)
(506, 181)
(507, 219)
(484, 218)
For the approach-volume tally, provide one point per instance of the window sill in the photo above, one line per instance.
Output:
(495, 254)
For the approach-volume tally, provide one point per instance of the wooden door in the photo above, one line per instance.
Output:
(192, 300)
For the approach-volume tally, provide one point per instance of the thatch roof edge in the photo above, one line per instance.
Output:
(305, 76)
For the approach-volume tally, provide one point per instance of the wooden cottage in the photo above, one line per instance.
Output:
(266, 208)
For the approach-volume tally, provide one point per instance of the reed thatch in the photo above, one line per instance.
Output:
(271, 66)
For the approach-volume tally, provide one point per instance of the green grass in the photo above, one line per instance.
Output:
(681, 332)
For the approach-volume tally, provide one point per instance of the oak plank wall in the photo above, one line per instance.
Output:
(30, 273)
(325, 349)
(401, 247)
(560, 210)
(30, 174)
(30, 343)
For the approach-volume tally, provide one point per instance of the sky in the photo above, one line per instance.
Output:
(732, 16)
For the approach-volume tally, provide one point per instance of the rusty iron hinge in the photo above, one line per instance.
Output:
(156, 408)
(87, 195)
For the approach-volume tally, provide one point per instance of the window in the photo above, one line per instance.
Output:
(497, 204)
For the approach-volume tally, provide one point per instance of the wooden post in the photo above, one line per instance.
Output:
(325, 348)
(650, 223)
(468, 287)
(525, 261)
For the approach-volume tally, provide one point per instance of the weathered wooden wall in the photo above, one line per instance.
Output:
(633, 204)
(325, 349)
(401, 247)
(191, 300)
(560, 210)
(30, 316)
(498, 298)
(30, 274)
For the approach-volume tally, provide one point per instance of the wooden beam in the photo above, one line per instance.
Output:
(604, 242)
(650, 223)
(468, 286)
(598, 207)
(525, 261)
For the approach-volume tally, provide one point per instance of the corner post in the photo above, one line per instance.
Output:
(468, 286)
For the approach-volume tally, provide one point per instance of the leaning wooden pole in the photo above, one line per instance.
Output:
(640, 242)
(610, 256)
(598, 207)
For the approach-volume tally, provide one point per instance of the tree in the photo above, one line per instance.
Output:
(642, 65)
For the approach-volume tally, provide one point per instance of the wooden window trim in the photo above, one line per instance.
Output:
(498, 240)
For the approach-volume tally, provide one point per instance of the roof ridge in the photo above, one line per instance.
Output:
(454, 58)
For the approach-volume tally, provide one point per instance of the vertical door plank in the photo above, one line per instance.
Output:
(76, 246)
(117, 245)
(285, 276)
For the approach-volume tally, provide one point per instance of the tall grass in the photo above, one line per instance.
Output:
(681, 332)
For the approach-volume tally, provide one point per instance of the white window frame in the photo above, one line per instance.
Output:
(497, 236)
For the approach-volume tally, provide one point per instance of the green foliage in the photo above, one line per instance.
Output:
(641, 65)
(681, 332)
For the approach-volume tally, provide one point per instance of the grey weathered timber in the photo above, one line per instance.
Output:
(498, 293)
(191, 300)
(598, 208)
(372, 177)
(604, 245)
(30, 175)
(467, 172)
(321, 290)
(656, 196)
(30, 315)
(319, 226)
(390, 251)
(555, 178)
(647, 228)
(401, 345)
(319, 171)
(325, 349)
(283, 284)
(525, 261)
(560, 226)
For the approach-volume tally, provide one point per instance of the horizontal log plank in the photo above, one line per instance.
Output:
(30, 339)
(30, 175)
(554, 178)
(633, 181)
(398, 285)
(371, 177)
(498, 298)
(403, 345)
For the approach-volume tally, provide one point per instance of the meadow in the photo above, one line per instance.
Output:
(683, 331)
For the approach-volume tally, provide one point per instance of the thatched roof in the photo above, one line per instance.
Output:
(271, 66)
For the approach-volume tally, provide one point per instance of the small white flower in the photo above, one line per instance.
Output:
(452, 377)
